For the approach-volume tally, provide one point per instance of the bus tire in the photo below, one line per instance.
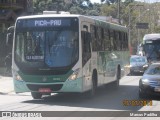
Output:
(118, 77)
(36, 95)
(92, 92)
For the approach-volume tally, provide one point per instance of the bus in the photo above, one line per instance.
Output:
(151, 46)
(60, 53)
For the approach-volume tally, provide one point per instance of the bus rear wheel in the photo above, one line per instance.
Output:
(118, 77)
(36, 95)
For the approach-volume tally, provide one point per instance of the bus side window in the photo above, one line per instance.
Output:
(94, 37)
(102, 39)
(120, 41)
(95, 31)
(111, 37)
(115, 40)
(86, 48)
(125, 39)
(107, 42)
(98, 39)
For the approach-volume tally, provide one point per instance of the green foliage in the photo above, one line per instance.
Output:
(41, 5)
(84, 7)
(157, 29)
(127, 2)
(109, 2)
(109, 10)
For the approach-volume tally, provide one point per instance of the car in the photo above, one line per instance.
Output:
(150, 81)
(138, 64)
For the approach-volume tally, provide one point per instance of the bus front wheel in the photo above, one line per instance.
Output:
(36, 95)
(92, 92)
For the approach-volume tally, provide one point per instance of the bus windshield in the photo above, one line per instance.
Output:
(152, 49)
(41, 48)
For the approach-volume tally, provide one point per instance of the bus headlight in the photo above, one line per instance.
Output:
(17, 77)
(74, 75)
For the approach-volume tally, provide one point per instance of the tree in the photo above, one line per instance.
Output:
(127, 2)
(110, 10)
(109, 2)
(76, 7)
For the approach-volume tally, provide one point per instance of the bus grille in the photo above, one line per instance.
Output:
(55, 87)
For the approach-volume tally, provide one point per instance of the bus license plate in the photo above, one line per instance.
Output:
(157, 89)
(44, 90)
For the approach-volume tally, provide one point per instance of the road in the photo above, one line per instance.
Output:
(106, 99)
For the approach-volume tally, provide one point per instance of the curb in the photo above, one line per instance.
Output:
(6, 93)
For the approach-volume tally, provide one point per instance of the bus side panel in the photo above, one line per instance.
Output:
(110, 68)
(101, 67)
(119, 59)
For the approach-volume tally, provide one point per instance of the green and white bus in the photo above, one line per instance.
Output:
(60, 53)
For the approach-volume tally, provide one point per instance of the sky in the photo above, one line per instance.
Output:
(95, 1)
(149, 1)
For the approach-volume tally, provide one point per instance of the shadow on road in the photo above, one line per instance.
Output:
(106, 98)
(135, 74)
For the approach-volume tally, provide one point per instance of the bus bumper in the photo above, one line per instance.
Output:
(67, 86)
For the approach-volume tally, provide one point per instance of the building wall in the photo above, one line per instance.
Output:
(9, 11)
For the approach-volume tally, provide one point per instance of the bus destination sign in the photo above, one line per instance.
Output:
(31, 23)
(47, 23)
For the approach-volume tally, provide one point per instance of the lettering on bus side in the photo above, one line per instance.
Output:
(47, 23)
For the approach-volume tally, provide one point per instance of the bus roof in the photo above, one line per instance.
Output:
(153, 36)
(48, 15)
(98, 22)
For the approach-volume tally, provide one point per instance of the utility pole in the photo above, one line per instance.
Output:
(57, 7)
(118, 13)
(129, 30)
(138, 37)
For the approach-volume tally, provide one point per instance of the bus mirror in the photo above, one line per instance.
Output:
(9, 39)
(85, 27)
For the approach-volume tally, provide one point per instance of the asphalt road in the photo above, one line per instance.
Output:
(106, 99)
